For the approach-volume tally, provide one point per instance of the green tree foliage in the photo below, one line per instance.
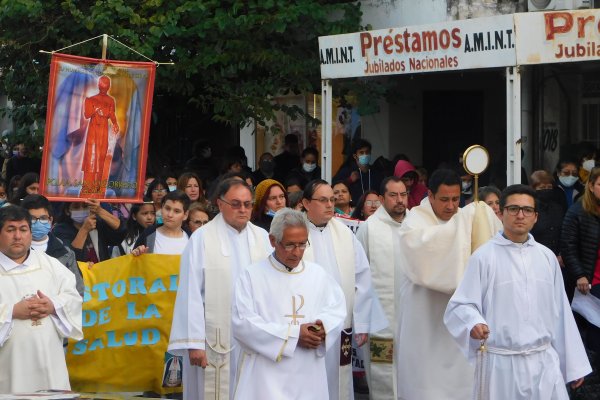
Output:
(230, 56)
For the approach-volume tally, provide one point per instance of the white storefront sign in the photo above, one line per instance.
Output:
(561, 36)
(456, 45)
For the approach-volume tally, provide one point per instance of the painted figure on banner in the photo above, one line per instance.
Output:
(99, 109)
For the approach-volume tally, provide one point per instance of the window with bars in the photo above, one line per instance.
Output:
(590, 120)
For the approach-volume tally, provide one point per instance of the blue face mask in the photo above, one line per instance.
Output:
(2, 202)
(39, 230)
(364, 159)
(270, 213)
(159, 220)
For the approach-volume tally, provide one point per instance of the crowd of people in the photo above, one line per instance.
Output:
(271, 272)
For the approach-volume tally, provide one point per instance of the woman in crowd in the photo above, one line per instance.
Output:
(341, 192)
(156, 191)
(191, 185)
(198, 216)
(551, 208)
(367, 205)
(89, 230)
(579, 245)
(309, 169)
(270, 197)
(141, 216)
(3, 193)
(567, 173)
(171, 179)
(29, 184)
(490, 195)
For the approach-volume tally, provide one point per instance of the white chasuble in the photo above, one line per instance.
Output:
(379, 237)
(270, 305)
(336, 249)
(534, 347)
(433, 256)
(210, 265)
(31, 353)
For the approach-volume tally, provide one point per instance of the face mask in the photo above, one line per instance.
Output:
(309, 167)
(79, 215)
(159, 220)
(2, 202)
(267, 166)
(589, 164)
(39, 230)
(465, 185)
(567, 181)
(15, 153)
(364, 159)
(270, 213)
(172, 188)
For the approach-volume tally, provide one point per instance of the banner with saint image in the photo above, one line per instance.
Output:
(97, 127)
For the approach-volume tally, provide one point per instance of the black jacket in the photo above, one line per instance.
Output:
(57, 249)
(579, 242)
(66, 232)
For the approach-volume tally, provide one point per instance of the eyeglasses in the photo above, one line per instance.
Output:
(236, 204)
(198, 222)
(514, 210)
(325, 200)
(372, 203)
(44, 219)
(293, 246)
(159, 191)
(567, 173)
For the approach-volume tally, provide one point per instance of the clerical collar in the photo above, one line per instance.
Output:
(521, 243)
(319, 227)
(281, 267)
(9, 264)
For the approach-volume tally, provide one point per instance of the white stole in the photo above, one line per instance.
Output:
(343, 247)
(218, 288)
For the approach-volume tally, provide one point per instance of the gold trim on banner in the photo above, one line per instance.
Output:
(382, 350)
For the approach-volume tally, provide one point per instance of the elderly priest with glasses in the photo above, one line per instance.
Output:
(287, 313)
(210, 265)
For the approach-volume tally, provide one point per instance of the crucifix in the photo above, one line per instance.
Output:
(294, 315)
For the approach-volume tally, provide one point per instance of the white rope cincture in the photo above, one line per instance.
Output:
(481, 367)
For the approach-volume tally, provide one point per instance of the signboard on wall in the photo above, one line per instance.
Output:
(561, 36)
(455, 45)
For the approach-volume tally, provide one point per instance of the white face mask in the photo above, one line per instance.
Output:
(309, 167)
(172, 188)
(568, 181)
(79, 215)
(589, 164)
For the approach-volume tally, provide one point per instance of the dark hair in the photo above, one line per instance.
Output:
(35, 201)
(27, 179)
(133, 227)
(185, 178)
(177, 195)
(359, 144)
(227, 184)
(385, 181)
(290, 138)
(443, 176)
(157, 181)
(358, 210)
(293, 180)
(517, 189)
(311, 188)
(564, 161)
(486, 191)
(340, 182)
(230, 160)
(4, 184)
(294, 198)
(14, 213)
(243, 175)
(310, 150)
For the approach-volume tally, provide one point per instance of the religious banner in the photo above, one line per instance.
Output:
(97, 127)
(127, 313)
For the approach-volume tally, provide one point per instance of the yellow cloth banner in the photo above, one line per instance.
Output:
(127, 312)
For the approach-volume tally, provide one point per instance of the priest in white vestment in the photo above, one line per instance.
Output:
(336, 249)
(39, 307)
(211, 263)
(287, 314)
(378, 235)
(435, 243)
(512, 298)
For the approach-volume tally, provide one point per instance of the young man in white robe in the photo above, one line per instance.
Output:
(210, 265)
(287, 314)
(39, 307)
(336, 249)
(512, 298)
(435, 243)
(378, 235)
